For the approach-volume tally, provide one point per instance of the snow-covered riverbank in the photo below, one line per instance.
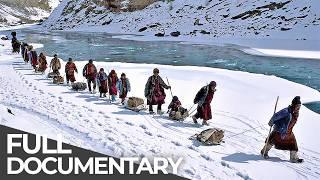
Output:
(264, 27)
(243, 101)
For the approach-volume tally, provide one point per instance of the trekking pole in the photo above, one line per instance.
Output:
(275, 108)
(170, 87)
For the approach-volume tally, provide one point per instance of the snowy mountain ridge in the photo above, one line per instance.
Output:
(284, 19)
(14, 12)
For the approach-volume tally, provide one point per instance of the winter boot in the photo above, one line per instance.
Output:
(205, 123)
(294, 157)
(100, 95)
(159, 112)
(265, 150)
(194, 119)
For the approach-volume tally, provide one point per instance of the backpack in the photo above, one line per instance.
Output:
(90, 70)
(211, 136)
(135, 102)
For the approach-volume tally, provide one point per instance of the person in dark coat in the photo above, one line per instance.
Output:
(70, 68)
(282, 137)
(123, 87)
(154, 91)
(112, 82)
(24, 51)
(203, 99)
(102, 83)
(33, 57)
(90, 73)
(15, 43)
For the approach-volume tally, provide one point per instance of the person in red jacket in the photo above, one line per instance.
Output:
(70, 68)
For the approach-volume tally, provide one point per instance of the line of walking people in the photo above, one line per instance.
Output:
(283, 121)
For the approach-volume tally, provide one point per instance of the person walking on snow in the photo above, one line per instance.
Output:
(102, 82)
(112, 82)
(90, 73)
(154, 91)
(55, 64)
(33, 57)
(25, 53)
(123, 87)
(203, 99)
(282, 136)
(15, 43)
(42, 63)
(70, 68)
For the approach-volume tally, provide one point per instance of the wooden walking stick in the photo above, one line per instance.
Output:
(170, 87)
(275, 109)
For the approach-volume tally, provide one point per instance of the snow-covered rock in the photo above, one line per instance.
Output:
(14, 12)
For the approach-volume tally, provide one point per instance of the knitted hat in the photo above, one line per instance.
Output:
(156, 70)
(175, 98)
(213, 83)
(70, 59)
(296, 100)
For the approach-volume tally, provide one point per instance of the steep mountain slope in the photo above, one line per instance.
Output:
(299, 19)
(13, 12)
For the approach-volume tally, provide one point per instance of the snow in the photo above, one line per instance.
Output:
(243, 101)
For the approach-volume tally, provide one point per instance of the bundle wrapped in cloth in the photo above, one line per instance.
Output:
(79, 86)
(211, 136)
(58, 80)
(135, 104)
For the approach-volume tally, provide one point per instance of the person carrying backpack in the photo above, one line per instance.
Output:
(203, 99)
(33, 57)
(282, 136)
(123, 87)
(112, 82)
(90, 73)
(70, 68)
(102, 83)
(55, 65)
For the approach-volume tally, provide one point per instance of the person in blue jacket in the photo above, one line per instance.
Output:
(123, 86)
(282, 136)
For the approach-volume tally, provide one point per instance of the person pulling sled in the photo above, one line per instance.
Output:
(282, 137)
(203, 99)
(90, 73)
(70, 68)
(123, 87)
(55, 65)
(154, 91)
(102, 83)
